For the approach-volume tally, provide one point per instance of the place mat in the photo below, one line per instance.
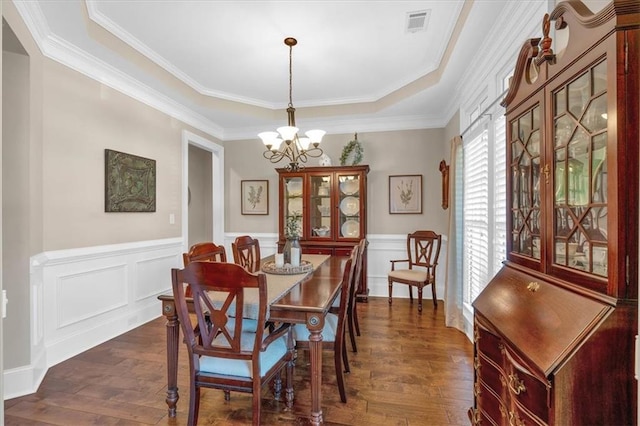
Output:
(270, 267)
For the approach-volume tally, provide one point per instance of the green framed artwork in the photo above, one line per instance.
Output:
(130, 183)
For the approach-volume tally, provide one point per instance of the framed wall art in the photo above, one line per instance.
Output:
(130, 183)
(255, 196)
(405, 194)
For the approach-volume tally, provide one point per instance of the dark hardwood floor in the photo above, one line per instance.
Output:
(409, 370)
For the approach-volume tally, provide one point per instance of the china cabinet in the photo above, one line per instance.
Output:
(327, 207)
(554, 329)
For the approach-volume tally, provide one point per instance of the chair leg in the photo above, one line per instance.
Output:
(433, 292)
(390, 290)
(420, 299)
(355, 318)
(227, 395)
(289, 390)
(339, 374)
(277, 386)
(194, 403)
(352, 333)
(411, 293)
(345, 359)
(256, 402)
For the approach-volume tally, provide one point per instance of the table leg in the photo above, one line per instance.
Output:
(314, 325)
(173, 335)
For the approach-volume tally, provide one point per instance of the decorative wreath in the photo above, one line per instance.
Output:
(353, 147)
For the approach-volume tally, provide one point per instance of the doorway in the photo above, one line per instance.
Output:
(209, 217)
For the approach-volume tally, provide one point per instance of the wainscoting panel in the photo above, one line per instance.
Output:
(88, 294)
(83, 297)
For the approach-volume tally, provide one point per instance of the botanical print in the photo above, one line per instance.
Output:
(405, 194)
(254, 195)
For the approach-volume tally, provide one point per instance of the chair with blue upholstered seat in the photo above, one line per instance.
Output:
(334, 330)
(229, 352)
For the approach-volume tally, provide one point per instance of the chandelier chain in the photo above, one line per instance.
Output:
(290, 76)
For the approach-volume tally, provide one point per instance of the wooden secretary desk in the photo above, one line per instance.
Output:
(554, 329)
(330, 206)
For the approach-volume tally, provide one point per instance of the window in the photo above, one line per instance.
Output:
(483, 218)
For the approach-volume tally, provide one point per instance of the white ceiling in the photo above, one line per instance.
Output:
(355, 69)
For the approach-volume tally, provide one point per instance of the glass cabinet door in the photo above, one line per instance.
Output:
(293, 206)
(349, 208)
(580, 172)
(320, 206)
(525, 183)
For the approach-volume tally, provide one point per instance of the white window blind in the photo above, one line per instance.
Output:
(499, 192)
(476, 213)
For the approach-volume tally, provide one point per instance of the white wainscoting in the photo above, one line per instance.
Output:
(84, 297)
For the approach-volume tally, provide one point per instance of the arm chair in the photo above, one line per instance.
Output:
(423, 249)
(230, 353)
(246, 252)
(204, 252)
(333, 333)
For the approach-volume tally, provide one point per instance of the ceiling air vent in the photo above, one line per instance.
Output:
(417, 21)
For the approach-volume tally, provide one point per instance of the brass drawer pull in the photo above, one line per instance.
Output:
(533, 286)
(516, 385)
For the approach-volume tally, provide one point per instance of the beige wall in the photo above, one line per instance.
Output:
(1, 232)
(386, 153)
(82, 118)
(15, 206)
(71, 120)
(200, 207)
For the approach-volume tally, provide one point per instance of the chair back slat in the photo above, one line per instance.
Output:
(217, 327)
(203, 252)
(423, 249)
(246, 252)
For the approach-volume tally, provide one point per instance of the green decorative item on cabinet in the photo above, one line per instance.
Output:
(352, 152)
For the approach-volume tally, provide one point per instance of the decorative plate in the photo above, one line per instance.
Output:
(351, 229)
(350, 206)
(295, 206)
(294, 187)
(350, 187)
(270, 267)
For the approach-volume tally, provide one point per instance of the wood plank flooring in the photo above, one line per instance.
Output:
(409, 370)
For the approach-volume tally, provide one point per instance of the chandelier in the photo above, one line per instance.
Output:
(295, 149)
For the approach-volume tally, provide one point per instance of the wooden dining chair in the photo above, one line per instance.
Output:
(204, 252)
(352, 309)
(246, 252)
(334, 330)
(229, 352)
(423, 250)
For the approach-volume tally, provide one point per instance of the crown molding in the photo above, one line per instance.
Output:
(351, 124)
(59, 50)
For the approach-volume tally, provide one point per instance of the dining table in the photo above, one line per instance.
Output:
(303, 298)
